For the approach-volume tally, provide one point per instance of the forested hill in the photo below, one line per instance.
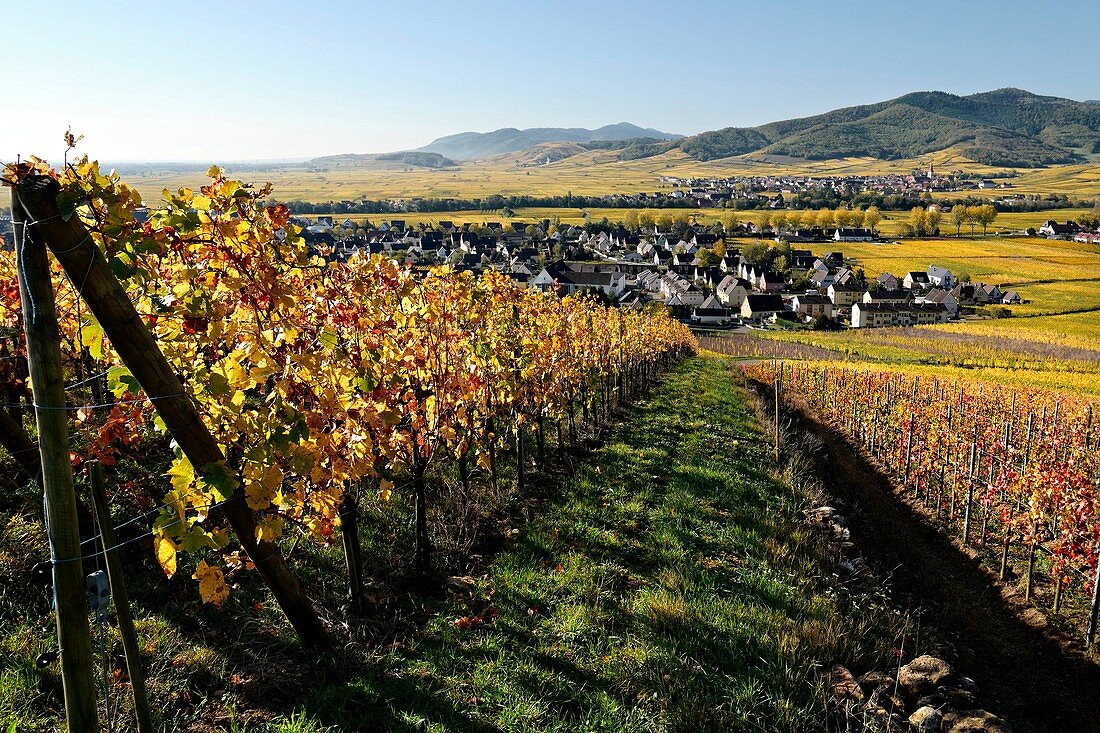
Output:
(1010, 127)
(471, 145)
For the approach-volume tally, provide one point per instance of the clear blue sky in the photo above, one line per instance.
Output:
(220, 81)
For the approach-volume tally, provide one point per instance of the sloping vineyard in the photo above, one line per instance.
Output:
(316, 380)
(1014, 472)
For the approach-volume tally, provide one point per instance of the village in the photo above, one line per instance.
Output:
(773, 188)
(691, 272)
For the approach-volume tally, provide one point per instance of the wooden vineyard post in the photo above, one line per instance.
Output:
(1094, 612)
(44, 357)
(121, 598)
(778, 379)
(349, 535)
(969, 493)
(908, 453)
(1031, 562)
(1088, 428)
(81, 259)
(16, 442)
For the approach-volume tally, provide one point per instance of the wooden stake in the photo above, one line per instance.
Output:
(47, 379)
(121, 598)
(1094, 612)
(778, 379)
(969, 493)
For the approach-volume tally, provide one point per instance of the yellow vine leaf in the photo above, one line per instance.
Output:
(166, 555)
(212, 586)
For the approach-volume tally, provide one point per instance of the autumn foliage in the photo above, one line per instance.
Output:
(316, 376)
(1029, 459)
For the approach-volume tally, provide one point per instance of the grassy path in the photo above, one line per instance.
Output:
(669, 587)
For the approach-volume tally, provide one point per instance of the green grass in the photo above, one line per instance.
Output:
(671, 586)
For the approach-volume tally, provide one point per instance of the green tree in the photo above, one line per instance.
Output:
(707, 257)
(758, 253)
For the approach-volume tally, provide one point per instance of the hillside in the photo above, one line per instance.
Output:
(385, 161)
(1006, 127)
(471, 145)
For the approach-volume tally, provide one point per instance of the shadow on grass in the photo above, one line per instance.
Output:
(669, 586)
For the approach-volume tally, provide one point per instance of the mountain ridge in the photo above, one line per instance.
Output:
(1009, 127)
(1006, 127)
(473, 145)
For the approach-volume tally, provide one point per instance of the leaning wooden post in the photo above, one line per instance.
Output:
(48, 385)
(16, 441)
(1094, 613)
(73, 247)
(121, 598)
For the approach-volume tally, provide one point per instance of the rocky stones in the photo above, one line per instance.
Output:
(925, 696)
(843, 686)
(873, 680)
(973, 721)
(923, 675)
(949, 697)
(926, 719)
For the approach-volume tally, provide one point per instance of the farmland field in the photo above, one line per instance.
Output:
(595, 173)
(890, 226)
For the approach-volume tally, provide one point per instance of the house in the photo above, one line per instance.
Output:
(1053, 230)
(834, 259)
(853, 234)
(822, 278)
(801, 259)
(565, 281)
(945, 298)
(888, 281)
(873, 315)
(760, 307)
(812, 305)
(710, 311)
(844, 276)
(770, 282)
(732, 291)
(888, 297)
(880, 315)
(987, 293)
(1011, 297)
(941, 277)
(915, 280)
(843, 296)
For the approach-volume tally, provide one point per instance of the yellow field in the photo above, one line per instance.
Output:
(890, 226)
(597, 173)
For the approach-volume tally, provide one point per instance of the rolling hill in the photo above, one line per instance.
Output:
(385, 161)
(1006, 127)
(472, 145)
